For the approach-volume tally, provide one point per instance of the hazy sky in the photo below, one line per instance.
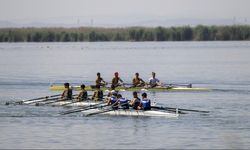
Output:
(14, 10)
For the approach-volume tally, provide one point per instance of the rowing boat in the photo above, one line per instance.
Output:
(119, 112)
(132, 112)
(89, 88)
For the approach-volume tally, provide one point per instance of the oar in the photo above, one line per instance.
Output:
(103, 111)
(99, 112)
(38, 102)
(176, 85)
(83, 108)
(34, 99)
(172, 108)
(73, 102)
(58, 100)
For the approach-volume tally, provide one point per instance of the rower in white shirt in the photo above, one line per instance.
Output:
(153, 81)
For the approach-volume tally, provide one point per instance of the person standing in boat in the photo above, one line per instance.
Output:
(137, 81)
(100, 81)
(153, 81)
(83, 95)
(98, 94)
(145, 102)
(67, 93)
(117, 81)
(135, 103)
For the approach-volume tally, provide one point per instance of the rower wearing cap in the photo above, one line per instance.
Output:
(98, 94)
(136, 101)
(67, 93)
(117, 81)
(83, 95)
(137, 81)
(124, 103)
(145, 102)
(99, 80)
(153, 81)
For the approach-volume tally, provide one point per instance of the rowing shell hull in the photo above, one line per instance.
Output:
(89, 88)
(77, 104)
(66, 103)
(120, 112)
(149, 113)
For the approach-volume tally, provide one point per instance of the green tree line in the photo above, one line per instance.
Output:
(184, 33)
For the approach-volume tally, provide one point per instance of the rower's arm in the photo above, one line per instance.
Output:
(142, 80)
(104, 81)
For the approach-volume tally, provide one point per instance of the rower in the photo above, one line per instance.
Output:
(137, 81)
(153, 81)
(136, 101)
(98, 94)
(145, 102)
(99, 80)
(113, 100)
(67, 93)
(117, 81)
(83, 95)
(123, 102)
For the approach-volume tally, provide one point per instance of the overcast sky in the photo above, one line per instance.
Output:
(28, 10)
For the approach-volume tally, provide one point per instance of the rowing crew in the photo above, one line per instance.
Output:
(114, 99)
(83, 95)
(136, 82)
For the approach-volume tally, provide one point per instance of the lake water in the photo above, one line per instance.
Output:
(27, 69)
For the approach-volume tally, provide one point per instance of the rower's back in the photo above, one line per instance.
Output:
(67, 93)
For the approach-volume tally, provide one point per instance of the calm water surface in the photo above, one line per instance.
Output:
(27, 69)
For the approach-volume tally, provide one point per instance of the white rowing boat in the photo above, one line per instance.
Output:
(132, 112)
(119, 112)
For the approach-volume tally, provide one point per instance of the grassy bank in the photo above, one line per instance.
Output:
(185, 33)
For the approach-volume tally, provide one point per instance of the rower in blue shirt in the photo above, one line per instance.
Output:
(113, 100)
(123, 102)
(145, 102)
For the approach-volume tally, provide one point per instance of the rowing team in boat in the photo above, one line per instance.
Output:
(113, 99)
(136, 82)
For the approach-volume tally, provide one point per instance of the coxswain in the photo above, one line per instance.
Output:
(137, 81)
(98, 94)
(67, 93)
(113, 101)
(99, 80)
(83, 95)
(117, 81)
(153, 81)
(124, 103)
(145, 102)
(136, 101)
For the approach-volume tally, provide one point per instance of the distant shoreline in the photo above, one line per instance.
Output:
(94, 34)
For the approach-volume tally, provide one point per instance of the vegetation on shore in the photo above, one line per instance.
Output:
(184, 33)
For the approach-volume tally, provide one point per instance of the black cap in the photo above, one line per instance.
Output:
(82, 86)
(144, 94)
(66, 84)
